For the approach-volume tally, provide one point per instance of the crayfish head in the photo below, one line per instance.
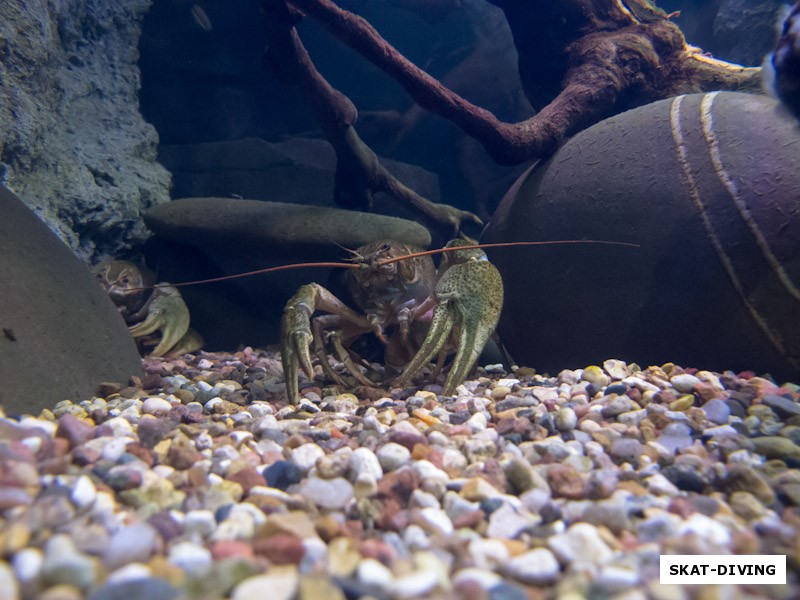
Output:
(372, 257)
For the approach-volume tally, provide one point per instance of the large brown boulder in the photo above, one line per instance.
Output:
(61, 335)
(707, 185)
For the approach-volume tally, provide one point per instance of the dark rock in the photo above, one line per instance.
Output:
(489, 505)
(592, 175)
(616, 388)
(152, 382)
(782, 406)
(744, 30)
(686, 478)
(152, 431)
(736, 408)
(460, 417)
(62, 336)
(281, 474)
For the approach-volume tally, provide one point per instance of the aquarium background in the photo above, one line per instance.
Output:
(645, 410)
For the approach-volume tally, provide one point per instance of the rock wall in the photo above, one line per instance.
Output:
(73, 144)
(747, 30)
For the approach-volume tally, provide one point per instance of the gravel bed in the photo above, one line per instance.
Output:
(201, 482)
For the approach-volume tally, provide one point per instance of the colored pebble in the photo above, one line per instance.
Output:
(517, 483)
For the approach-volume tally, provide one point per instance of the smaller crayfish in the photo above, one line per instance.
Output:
(148, 308)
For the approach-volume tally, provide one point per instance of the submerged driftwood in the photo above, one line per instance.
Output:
(580, 61)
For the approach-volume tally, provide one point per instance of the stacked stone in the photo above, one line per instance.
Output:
(201, 481)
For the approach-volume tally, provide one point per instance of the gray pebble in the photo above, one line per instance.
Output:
(63, 563)
(783, 406)
(134, 543)
(536, 567)
(717, 411)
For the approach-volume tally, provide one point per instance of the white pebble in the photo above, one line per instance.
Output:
(27, 564)
(566, 420)
(332, 494)
(661, 486)
(415, 538)
(129, 572)
(240, 437)
(436, 521)
(238, 526)
(34, 443)
(640, 384)
(706, 528)
(618, 369)
(477, 422)
(155, 405)
(114, 448)
(509, 522)
(200, 523)
(616, 577)
(420, 499)
(485, 579)
(418, 583)
(363, 460)
(260, 409)
(392, 456)
(373, 573)
(684, 382)
(193, 559)
(134, 543)
(427, 470)
(120, 426)
(48, 427)
(453, 460)
(9, 588)
(83, 494)
(580, 544)
(213, 403)
(537, 567)
(488, 554)
(305, 457)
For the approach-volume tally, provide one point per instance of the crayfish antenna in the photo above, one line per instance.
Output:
(354, 255)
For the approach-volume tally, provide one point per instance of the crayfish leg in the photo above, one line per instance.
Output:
(441, 326)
